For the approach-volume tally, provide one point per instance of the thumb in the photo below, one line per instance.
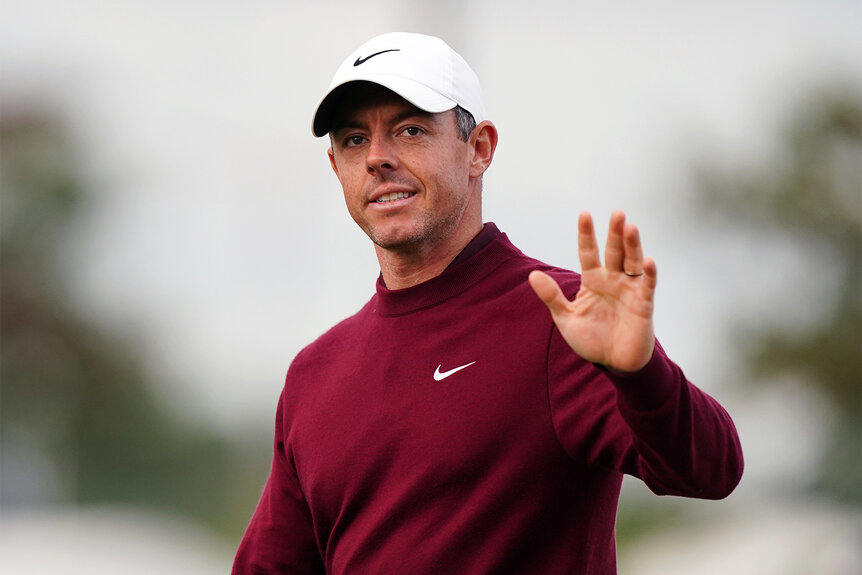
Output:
(548, 291)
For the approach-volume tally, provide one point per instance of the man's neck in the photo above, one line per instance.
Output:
(407, 268)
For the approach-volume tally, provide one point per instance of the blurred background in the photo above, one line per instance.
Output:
(172, 235)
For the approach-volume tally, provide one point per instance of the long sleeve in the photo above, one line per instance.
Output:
(654, 425)
(280, 536)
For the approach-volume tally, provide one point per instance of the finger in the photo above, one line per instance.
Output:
(588, 248)
(614, 246)
(650, 279)
(548, 291)
(633, 264)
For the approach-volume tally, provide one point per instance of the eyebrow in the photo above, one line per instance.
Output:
(412, 112)
(352, 124)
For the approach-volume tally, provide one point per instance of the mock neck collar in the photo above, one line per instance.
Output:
(480, 257)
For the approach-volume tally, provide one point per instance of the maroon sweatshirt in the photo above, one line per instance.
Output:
(447, 428)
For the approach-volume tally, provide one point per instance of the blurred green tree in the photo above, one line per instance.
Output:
(73, 395)
(812, 193)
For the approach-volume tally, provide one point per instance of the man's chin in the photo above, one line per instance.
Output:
(396, 239)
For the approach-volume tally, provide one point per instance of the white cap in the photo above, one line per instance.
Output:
(422, 69)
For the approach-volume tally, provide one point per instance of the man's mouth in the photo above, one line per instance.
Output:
(391, 197)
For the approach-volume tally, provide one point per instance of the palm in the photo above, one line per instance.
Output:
(610, 320)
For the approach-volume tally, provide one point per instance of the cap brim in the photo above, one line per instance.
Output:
(417, 94)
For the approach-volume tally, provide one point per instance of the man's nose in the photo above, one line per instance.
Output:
(381, 156)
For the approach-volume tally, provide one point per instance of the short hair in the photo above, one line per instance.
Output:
(465, 122)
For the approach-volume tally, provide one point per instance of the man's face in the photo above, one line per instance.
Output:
(405, 173)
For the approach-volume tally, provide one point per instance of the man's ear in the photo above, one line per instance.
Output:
(332, 161)
(483, 142)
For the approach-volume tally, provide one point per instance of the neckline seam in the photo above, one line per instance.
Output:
(378, 309)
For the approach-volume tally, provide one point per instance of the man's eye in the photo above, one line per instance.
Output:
(355, 140)
(412, 130)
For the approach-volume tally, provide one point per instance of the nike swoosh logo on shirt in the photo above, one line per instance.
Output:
(361, 60)
(440, 376)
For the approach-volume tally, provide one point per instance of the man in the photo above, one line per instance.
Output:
(453, 425)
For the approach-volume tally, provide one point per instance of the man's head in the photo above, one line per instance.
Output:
(409, 157)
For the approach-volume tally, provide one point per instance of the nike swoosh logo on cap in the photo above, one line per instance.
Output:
(361, 60)
(440, 376)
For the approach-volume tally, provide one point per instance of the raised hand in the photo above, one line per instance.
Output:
(610, 320)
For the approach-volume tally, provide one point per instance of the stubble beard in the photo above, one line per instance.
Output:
(417, 236)
(422, 232)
